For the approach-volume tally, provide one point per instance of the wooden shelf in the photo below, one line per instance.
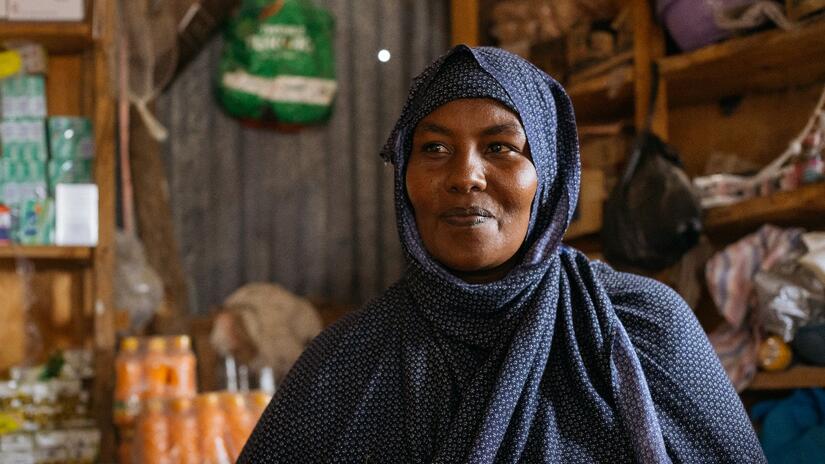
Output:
(57, 37)
(799, 376)
(804, 207)
(46, 252)
(604, 98)
(767, 61)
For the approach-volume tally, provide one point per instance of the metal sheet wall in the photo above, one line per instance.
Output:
(312, 211)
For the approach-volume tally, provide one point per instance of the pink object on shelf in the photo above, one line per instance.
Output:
(691, 22)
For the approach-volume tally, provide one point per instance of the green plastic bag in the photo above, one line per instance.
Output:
(278, 64)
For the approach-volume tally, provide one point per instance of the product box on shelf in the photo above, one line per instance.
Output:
(46, 10)
(23, 96)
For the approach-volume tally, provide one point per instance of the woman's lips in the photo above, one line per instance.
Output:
(466, 216)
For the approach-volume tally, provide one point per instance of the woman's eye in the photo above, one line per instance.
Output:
(434, 148)
(499, 148)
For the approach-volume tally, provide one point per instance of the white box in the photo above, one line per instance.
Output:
(4, 9)
(46, 10)
(76, 215)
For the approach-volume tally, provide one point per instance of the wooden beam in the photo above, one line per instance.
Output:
(648, 45)
(104, 254)
(464, 22)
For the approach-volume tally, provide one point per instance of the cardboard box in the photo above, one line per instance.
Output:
(46, 10)
(76, 216)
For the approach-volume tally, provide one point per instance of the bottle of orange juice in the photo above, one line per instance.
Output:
(155, 368)
(153, 434)
(183, 432)
(128, 382)
(258, 401)
(240, 422)
(211, 429)
(182, 368)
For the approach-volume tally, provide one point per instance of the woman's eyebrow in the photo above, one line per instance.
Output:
(507, 128)
(431, 127)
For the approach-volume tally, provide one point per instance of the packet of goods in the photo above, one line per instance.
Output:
(71, 138)
(35, 222)
(23, 96)
(23, 139)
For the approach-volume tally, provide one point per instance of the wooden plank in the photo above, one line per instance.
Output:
(256, 233)
(756, 129)
(798, 376)
(648, 45)
(604, 98)
(802, 207)
(763, 62)
(64, 85)
(57, 37)
(60, 253)
(283, 186)
(365, 125)
(340, 187)
(464, 21)
(104, 321)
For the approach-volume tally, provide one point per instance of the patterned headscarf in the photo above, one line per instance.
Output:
(562, 360)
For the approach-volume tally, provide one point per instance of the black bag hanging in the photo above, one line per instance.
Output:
(652, 216)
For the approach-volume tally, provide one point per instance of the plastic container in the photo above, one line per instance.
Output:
(182, 375)
(153, 434)
(240, 422)
(183, 433)
(211, 429)
(128, 382)
(691, 23)
(156, 369)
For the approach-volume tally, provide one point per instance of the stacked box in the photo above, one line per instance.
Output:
(71, 143)
(23, 96)
(23, 139)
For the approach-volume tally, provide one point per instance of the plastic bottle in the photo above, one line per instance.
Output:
(258, 402)
(240, 422)
(155, 368)
(153, 434)
(183, 432)
(211, 429)
(128, 382)
(182, 368)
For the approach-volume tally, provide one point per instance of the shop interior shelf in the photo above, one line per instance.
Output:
(61, 253)
(57, 37)
(804, 207)
(799, 376)
(605, 97)
(766, 61)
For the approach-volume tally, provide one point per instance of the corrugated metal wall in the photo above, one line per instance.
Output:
(312, 211)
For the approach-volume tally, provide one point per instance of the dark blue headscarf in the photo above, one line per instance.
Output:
(562, 360)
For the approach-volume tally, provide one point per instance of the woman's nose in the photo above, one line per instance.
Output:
(466, 173)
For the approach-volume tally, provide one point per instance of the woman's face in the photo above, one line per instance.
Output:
(471, 183)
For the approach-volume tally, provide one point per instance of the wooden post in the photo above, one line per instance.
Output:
(464, 22)
(648, 45)
(104, 254)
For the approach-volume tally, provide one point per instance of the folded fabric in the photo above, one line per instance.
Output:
(793, 429)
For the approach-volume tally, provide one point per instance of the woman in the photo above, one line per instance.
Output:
(499, 344)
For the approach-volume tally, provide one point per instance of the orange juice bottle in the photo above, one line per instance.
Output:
(240, 421)
(211, 429)
(128, 382)
(155, 368)
(182, 369)
(153, 434)
(258, 401)
(183, 432)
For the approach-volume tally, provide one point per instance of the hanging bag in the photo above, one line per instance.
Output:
(652, 216)
(278, 64)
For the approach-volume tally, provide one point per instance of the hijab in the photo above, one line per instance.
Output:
(561, 360)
